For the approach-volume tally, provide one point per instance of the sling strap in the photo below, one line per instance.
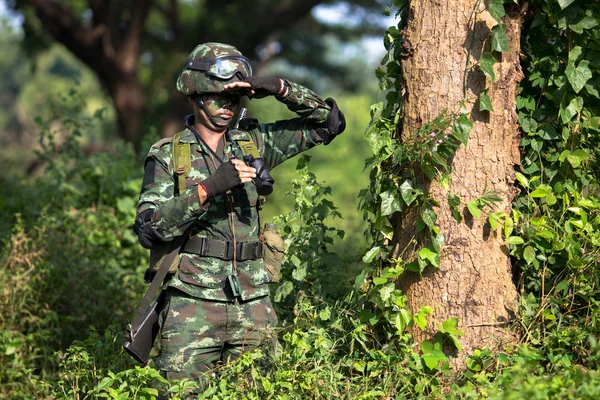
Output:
(156, 283)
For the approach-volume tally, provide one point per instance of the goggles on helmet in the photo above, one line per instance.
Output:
(224, 67)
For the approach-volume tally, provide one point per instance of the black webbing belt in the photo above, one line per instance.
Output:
(223, 249)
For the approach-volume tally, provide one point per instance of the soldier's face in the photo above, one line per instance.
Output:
(221, 107)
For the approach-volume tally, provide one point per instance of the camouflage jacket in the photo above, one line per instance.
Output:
(206, 277)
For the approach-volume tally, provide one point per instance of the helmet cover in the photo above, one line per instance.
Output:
(210, 66)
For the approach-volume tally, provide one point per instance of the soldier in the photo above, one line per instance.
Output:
(217, 302)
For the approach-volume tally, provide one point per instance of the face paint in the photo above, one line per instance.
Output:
(221, 108)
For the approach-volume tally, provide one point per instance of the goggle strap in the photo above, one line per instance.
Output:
(197, 65)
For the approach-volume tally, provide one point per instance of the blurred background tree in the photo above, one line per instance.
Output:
(137, 48)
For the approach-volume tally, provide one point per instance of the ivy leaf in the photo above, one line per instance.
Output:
(367, 258)
(496, 9)
(564, 3)
(473, 209)
(431, 256)
(574, 107)
(299, 273)
(586, 22)
(389, 203)
(283, 291)
(578, 76)
(592, 89)
(575, 53)
(450, 326)
(454, 203)
(462, 128)
(485, 104)
(408, 193)
(577, 157)
(429, 217)
(487, 65)
(499, 39)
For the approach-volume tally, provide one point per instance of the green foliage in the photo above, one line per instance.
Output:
(307, 238)
(68, 253)
(557, 248)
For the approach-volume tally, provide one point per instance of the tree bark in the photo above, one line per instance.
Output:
(442, 42)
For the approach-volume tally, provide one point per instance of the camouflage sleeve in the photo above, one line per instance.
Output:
(281, 140)
(172, 215)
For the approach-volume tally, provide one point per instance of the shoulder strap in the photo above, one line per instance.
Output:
(247, 146)
(182, 163)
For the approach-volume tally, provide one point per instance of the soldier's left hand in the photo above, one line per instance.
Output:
(264, 86)
(244, 88)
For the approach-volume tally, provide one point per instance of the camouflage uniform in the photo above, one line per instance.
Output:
(202, 322)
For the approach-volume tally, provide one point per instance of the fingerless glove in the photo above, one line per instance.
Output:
(225, 178)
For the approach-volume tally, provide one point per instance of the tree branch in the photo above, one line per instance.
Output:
(82, 41)
(171, 15)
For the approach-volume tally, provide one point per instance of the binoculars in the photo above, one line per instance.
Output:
(263, 181)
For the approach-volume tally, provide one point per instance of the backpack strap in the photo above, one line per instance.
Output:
(247, 146)
(182, 163)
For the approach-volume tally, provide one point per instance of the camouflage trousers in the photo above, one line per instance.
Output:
(197, 334)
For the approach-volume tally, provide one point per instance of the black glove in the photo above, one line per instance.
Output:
(225, 178)
(266, 86)
(335, 124)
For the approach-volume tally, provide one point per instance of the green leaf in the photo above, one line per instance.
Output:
(485, 104)
(571, 110)
(462, 128)
(299, 273)
(541, 191)
(106, 382)
(487, 65)
(450, 326)
(371, 254)
(575, 53)
(578, 76)
(429, 217)
(431, 256)
(577, 157)
(522, 180)
(529, 254)
(380, 281)
(587, 22)
(499, 39)
(495, 219)
(283, 291)
(564, 3)
(474, 209)
(389, 203)
(325, 314)
(496, 9)
(408, 193)
(515, 240)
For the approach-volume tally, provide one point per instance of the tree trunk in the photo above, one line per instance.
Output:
(128, 97)
(442, 41)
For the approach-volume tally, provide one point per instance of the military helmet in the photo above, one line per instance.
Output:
(210, 66)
